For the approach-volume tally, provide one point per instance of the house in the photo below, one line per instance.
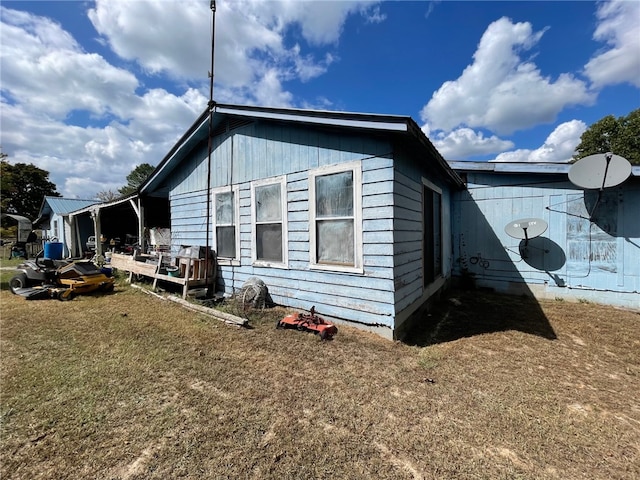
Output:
(58, 225)
(590, 250)
(347, 212)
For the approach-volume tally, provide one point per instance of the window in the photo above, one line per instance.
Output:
(226, 223)
(335, 218)
(55, 229)
(432, 230)
(269, 215)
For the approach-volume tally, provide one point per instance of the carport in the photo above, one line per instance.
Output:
(120, 220)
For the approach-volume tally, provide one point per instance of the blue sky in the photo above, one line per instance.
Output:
(91, 89)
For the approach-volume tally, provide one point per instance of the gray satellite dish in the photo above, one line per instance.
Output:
(526, 228)
(602, 170)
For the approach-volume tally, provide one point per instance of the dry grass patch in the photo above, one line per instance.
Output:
(126, 386)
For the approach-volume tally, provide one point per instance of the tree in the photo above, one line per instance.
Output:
(137, 176)
(609, 134)
(107, 195)
(23, 187)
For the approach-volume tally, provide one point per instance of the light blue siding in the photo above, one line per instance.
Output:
(391, 280)
(264, 150)
(409, 232)
(597, 259)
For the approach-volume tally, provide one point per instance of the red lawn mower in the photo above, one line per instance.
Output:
(309, 322)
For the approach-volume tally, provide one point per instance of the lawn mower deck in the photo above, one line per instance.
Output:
(42, 279)
(309, 322)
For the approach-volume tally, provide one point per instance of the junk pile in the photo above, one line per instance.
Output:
(254, 293)
(45, 278)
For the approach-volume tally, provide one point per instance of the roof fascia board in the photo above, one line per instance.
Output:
(300, 117)
(522, 167)
(100, 206)
(510, 167)
(180, 145)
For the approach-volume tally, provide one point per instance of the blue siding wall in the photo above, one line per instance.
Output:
(575, 258)
(409, 231)
(264, 150)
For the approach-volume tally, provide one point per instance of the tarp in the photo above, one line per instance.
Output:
(24, 226)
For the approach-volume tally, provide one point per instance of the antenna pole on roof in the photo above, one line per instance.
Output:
(210, 282)
(213, 41)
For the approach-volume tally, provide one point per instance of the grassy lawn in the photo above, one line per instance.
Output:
(127, 386)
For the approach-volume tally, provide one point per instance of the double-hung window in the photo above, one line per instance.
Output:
(335, 223)
(226, 220)
(269, 219)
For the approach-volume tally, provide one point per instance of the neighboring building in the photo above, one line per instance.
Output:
(59, 226)
(346, 212)
(590, 251)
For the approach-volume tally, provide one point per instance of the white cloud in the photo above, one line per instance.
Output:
(619, 28)
(559, 146)
(465, 142)
(250, 36)
(50, 81)
(44, 90)
(45, 70)
(320, 23)
(499, 90)
(268, 91)
(375, 16)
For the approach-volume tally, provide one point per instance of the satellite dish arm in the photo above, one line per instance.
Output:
(607, 156)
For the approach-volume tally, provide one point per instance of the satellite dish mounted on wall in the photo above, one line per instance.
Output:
(525, 229)
(602, 170)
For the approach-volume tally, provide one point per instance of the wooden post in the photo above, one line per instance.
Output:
(155, 276)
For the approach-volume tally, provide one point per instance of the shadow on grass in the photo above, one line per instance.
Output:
(468, 313)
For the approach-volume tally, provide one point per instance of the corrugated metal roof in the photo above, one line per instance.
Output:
(101, 205)
(63, 206)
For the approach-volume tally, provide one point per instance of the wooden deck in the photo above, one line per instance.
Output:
(191, 271)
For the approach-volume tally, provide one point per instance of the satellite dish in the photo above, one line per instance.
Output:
(602, 170)
(526, 228)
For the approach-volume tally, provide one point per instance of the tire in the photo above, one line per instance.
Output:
(65, 295)
(18, 281)
(324, 335)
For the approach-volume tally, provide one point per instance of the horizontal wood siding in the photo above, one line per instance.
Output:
(573, 257)
(408, 241)
(408, 229)
(263, 150)
(188, 220)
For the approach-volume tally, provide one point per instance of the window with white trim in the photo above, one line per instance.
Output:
(226, 222)
(432, 231)
(335, 224)
(269, 219)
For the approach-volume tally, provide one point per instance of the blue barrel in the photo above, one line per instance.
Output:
(53, 250)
